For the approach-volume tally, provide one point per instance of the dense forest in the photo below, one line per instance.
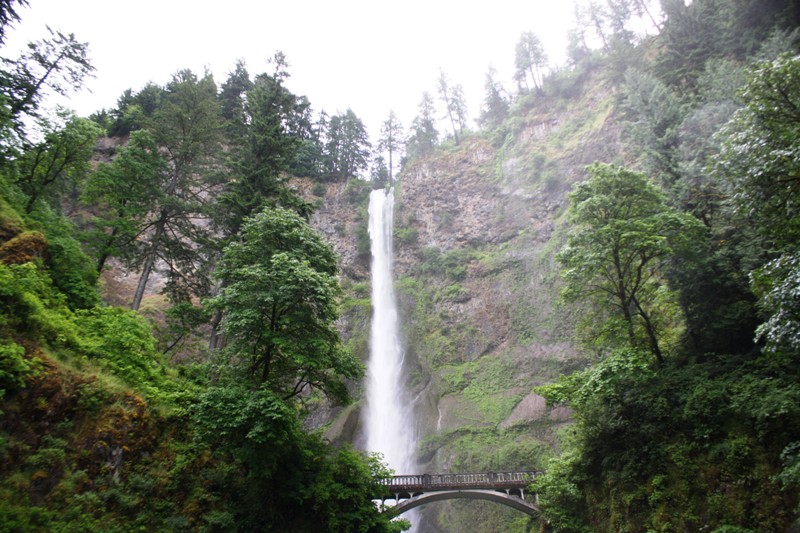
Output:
(186, 404)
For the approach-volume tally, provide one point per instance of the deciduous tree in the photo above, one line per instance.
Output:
(60, 160)
(760, 159)
(59, 63)
(623, 237)
(279, 301)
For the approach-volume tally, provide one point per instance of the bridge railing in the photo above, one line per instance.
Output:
(496, 480)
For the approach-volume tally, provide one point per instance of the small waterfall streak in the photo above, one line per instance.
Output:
(388, 422)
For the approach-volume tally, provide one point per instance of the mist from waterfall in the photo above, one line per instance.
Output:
(389, 422)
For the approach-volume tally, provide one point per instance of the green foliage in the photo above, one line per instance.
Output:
(126, 191)
(13, 367)
(357, 191)
(255, 426)
(67, 263)
(31, 306)
(451, 264)
(682, 432)
(485, 383)
(58, 163)
(618, 251)
(123, 343)
(57, 64)
(656, 112)
(280, 302)
(758, 159)
(562, 501)
(406, 236)
(262, 432)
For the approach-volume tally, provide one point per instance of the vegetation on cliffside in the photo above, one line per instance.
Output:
(116, 419)
(654, 307)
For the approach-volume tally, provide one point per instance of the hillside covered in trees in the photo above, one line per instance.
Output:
(184, 287)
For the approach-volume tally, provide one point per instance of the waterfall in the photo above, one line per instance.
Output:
(388, 422)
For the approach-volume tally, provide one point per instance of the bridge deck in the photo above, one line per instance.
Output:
(442, 482)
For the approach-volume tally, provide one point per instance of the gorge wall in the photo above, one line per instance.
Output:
(477, 226)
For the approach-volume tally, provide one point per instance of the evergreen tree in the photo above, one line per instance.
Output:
(390, 141)
(125, 192)
(347, 148)
(495, 102)
(530, 60)
(277, 124)
(232, 100)
(9, 15)
(423, 135)
(655, 115)
(187, 128)
(453, 98)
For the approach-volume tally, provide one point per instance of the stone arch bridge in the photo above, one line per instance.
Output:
(507, 488)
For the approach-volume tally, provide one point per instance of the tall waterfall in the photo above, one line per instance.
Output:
(389, 420)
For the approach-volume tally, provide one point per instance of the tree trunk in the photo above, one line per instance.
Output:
(149, 262)
(217, 339)
(651, 333)
(148, 267)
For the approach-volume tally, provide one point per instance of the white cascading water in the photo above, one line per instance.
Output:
(389, 420)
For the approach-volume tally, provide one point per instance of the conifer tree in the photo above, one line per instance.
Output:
(390, 141)
(423, 136)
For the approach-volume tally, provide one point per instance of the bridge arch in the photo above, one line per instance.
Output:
(503, 498)
(506, 488)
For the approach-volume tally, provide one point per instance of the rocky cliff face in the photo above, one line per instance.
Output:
(477, 227)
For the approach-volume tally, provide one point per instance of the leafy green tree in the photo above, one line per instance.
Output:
(391, 141)
(321, 488)
(125, 192)
(59, 162)
(59, 63)
(423, 135)
(279, 300)
(277, 128)
(618, 251)
(760, 159)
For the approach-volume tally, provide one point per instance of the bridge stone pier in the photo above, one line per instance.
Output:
(507, 488)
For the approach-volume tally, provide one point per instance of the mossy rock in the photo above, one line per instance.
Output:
(10, 222)
(24, 248)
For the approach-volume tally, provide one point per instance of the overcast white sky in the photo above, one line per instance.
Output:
(371, 56)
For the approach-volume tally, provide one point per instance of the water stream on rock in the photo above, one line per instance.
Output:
(389, 422)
